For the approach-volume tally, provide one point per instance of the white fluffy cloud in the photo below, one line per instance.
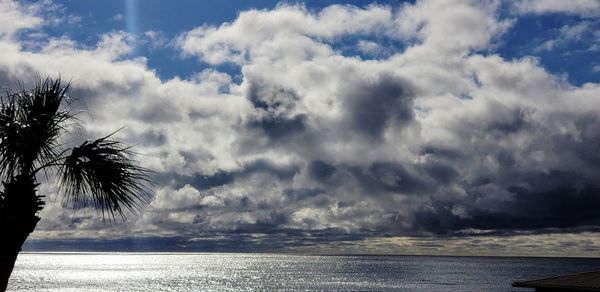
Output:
(15, 17)
(283, 33)
(440, 137)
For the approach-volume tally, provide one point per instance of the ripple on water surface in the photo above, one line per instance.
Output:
(234, 272)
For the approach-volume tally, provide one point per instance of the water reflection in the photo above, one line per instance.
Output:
(228, 272)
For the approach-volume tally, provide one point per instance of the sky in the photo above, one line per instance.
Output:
(456, 127)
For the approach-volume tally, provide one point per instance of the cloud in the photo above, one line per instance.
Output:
(372, 48)
(15, 17)
(415, 101)
(556, 244)
(156, 39)
(286, 32)
(442, 138)
(472, 24)
(569, 35)
(117, 17)
(585, 8)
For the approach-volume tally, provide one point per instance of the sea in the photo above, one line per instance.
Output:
(280, 272)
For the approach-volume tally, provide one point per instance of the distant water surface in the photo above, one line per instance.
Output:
(259, 272)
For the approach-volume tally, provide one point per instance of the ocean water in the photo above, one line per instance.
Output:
(260, 272)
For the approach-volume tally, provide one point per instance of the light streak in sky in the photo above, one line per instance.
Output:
(131, 21)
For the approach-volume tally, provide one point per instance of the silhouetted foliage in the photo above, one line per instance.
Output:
(99, 174)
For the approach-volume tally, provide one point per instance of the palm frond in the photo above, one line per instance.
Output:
(100, 174)
(10, 138)
(31, 123)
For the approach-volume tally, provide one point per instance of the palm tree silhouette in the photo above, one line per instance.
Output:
(97, 173)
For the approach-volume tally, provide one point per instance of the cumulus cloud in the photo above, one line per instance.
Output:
(440, 138)
(286, 32)
(418, 131)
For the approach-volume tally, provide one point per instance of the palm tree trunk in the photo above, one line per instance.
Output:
(13, 238)
(7, 262)
(19, 205)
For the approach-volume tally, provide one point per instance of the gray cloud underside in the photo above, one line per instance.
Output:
(441, 138)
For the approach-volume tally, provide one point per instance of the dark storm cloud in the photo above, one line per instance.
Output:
(516, 121)
(519, 194)
(584, 142)
(302, 193)
(275, 106)
(238, 241)
(373, 105)
(384, 177)
(441, 152)
(557, 200)
(389, 177)
(280, 127)
(320, 170)
(442, 173)
(269, 97)
(220, 178)
(514, 197)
